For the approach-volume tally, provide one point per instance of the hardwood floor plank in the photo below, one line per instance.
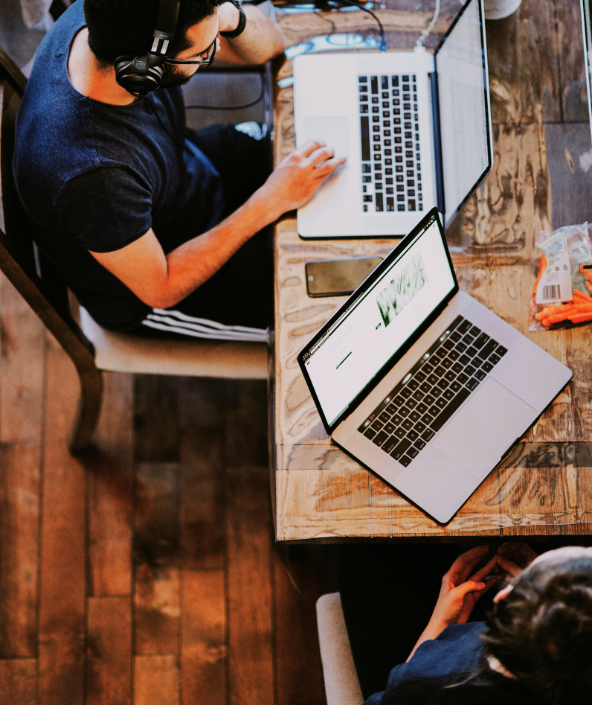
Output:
(62, 576)
(249, 533)
(156, 418)
(202, 407)
(109, 651)
(203, 647)
(156, 545)
(17, 682)
(298, 658)
(22, 353)
(156, 680)
(19, 549)
(202, 530)
(110, 491)
(246, 423)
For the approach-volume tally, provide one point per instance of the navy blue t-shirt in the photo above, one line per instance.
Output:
(452, 659)
(93, 176)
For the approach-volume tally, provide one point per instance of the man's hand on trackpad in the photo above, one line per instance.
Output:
(296, 178)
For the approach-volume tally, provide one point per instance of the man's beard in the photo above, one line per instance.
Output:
(172, 77)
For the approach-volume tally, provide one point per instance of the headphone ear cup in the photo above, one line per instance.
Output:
(139, 75)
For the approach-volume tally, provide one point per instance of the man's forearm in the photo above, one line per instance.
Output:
(261, 40)
(194, 262)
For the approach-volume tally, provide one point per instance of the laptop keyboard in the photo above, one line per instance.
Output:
(391, 167)
(430, 393)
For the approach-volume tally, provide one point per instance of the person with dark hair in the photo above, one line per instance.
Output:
(156, 229)
(534, 646)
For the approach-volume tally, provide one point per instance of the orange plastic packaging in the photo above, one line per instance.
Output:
(562, 294)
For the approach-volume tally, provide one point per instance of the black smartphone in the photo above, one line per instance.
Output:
(338, 277)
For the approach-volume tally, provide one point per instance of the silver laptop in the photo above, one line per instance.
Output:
(415, 128)
(423, 384)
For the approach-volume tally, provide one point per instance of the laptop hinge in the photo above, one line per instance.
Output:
(437, 143)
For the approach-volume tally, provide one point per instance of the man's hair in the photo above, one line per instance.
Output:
(120, 27)
(541, 632)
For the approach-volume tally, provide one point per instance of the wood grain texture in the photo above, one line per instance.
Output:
(298, 659)
(110, 491)
(202, 535)
(156, 680)
(245, 427)
(522, 52)
(203, 637)
(573, 71)
(156, 418)
(250, 655)
(17, 682)
(321, 493)
(109, 651)
(22, 344)
(63, 586)
(19, 549)
(570, 158)
(156, 544)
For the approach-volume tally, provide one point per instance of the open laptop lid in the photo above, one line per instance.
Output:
(464, 155)
(379, 322)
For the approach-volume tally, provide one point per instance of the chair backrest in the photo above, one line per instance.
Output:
(25, 267)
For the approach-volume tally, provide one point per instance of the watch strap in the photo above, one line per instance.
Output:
(242, 22)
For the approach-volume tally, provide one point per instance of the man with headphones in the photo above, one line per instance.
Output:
(155, 229)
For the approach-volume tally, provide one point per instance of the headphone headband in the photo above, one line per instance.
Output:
(166, 23)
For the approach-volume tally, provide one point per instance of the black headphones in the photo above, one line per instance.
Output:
(141, 74)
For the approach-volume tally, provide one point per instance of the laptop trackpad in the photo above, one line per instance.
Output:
(484, 429)
(333, 131)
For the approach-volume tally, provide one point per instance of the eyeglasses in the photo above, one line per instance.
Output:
(209, 55)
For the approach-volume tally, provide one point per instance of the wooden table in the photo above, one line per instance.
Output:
(541, 179)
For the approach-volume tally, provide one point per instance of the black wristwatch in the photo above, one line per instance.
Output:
(242, 23)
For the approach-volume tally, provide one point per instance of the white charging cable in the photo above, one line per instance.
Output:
(428, 29)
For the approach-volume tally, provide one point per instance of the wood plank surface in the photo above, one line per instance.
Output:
(156, 544)
(17, 681)
(156, 418)
(62, 572)
(109, 651)
(110, 492)
(201, 492)
(572, 67)
(569, 153)
(22, 344)
(250, 654)
(203, 637)
(156, 680)
(308, 574)
(322, 493)
(19, 549)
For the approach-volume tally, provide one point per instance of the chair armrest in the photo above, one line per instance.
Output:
(342, 685)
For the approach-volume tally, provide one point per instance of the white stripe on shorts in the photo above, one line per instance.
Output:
(181, 323)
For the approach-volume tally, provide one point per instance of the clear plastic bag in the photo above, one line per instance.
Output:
(562, 295)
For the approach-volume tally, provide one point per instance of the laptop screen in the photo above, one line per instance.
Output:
(463, 106)
(379, 319)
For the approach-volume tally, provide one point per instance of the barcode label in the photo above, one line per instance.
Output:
(551, 292)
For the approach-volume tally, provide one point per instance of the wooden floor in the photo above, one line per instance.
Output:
(145, 572)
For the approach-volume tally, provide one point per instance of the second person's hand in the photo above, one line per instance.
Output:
(297, 177)
(514, 557)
